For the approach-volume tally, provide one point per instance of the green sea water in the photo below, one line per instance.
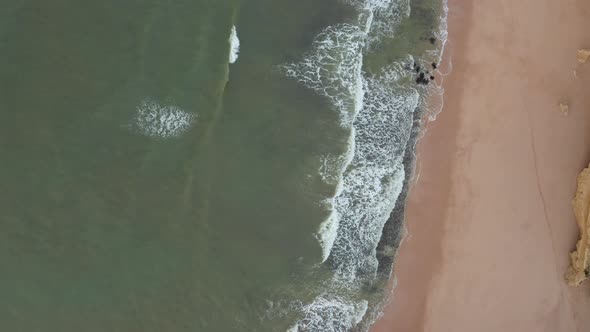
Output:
(149, 185)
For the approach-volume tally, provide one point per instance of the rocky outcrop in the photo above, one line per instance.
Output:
(583, 55)
(579, 268)
(564, 107)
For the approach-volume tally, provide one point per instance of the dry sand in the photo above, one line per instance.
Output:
(489, 219)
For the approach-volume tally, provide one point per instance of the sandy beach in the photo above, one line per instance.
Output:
(489, 218)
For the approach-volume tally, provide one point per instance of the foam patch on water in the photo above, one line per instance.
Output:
(330, 313)
(164, 121)
(380, 17)
(234, 45)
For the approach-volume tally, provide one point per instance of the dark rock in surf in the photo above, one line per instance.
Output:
(421, 79)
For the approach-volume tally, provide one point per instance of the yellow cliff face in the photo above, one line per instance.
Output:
(579, 269)
(583, 55)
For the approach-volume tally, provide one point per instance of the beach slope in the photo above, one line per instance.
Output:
(490, 220)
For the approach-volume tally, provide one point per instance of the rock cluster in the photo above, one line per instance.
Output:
(424, 76)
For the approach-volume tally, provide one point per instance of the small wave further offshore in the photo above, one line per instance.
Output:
(234, 45)
(379, 113)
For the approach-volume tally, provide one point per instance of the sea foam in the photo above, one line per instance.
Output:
(369, 176)
(330, 313)
(163, 121)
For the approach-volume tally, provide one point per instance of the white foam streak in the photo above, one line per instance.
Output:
(234, 45)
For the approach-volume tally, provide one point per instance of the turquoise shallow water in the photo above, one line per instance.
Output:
(149, 185)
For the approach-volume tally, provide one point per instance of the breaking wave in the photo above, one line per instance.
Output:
(378, 111)
(372, 180)
(234, 45)
(334, 69)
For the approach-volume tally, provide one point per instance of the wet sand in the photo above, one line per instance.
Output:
(489, 218)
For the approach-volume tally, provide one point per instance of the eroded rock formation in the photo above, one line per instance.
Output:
(579, 269)
(564, 107)
(583, 55)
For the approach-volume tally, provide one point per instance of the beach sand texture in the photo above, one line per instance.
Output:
(490, 220)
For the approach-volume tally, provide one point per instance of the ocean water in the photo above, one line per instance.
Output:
(207, 165)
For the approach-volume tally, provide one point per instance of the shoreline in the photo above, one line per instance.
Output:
(469, 253)
(394, 230)
(409, 282)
